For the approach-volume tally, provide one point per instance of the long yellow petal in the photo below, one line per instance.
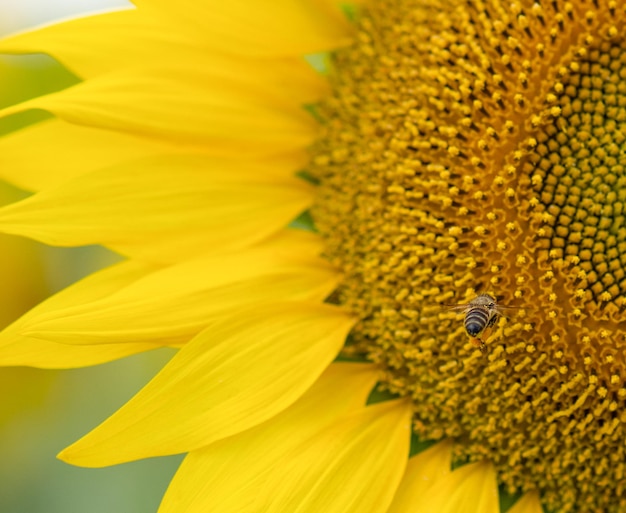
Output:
(228, 475)
(17, 349)
(173, 320)
(471, 489)
(32, 352)
(65, 151)
(164, 209)
(185, 103)
(92, 45)
(141, 41)
(528, 503)
(236, 374)
(354, 465)
(172, 305)
(258, 28)
(422, 472)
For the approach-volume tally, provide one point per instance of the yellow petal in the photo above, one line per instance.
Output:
(32, 352)
(172, 305)
(17, 349)
(65, 151)
(422, 472)
(258, 28)
(164, 209)
(93, 45)
(528, 503)
(85, 46)
(470, 489)
(354, 465)
(186, 104)
(223, 476)
(236, 374)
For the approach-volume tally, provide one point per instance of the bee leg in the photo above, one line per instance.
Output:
(493, 320)
(479, 343)
(485, 335)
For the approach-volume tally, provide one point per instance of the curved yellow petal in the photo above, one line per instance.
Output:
(33, 352)
(172, 305)
(354, 465)
(163, 209)
(186, 103)
(471, 488)
(141, 41)
(238, 373)
(92, 45)
(258, 28)
(528, 503)
(17, 349)
(65, 151)
(422, 472)
(231, 472)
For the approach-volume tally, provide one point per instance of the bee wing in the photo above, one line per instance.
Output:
(455, 307)
(501, 308)
(509, 312)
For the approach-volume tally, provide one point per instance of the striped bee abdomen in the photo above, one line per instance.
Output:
(477, 319)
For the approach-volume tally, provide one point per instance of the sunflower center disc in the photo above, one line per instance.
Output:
(480, 147)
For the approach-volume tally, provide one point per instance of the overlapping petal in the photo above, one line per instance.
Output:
(173, 304)
(237, 373)
(120, 39)
(228, 475)
(185, 104)
(146, 209)
(471, 488)
(354, 465)
(65, 151)
(257, 28)
(422, 472)
(139, 41)
(18, 349)
(528, 503)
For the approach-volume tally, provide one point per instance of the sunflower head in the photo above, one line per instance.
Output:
(478, 147)
(471, 156)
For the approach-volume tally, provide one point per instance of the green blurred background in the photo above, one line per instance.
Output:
(41, 412)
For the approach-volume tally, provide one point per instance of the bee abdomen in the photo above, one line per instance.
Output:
(476, 320)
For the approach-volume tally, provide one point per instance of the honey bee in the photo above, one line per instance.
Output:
(481, 313)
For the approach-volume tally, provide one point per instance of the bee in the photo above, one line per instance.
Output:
(481, 313)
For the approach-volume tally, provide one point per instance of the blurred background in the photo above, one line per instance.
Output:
(19, 14)
(41, 412)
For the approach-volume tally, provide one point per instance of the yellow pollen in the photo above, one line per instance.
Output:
(479, 146)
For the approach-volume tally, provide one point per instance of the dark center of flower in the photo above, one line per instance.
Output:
(480, 147)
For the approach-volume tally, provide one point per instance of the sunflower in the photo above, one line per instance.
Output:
(450, 149)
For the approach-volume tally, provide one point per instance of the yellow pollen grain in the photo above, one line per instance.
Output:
(477, 146)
